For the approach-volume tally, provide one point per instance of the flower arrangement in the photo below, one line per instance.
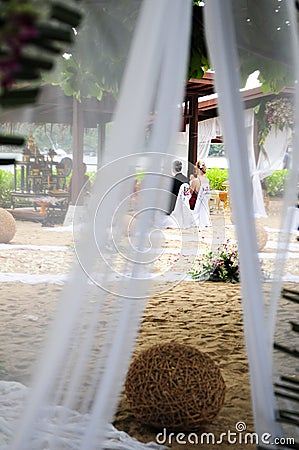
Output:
(279, 113)
(221, 265)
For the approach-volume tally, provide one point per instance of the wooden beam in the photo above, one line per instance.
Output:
(101, 143)
(193, 129)
(78, 132)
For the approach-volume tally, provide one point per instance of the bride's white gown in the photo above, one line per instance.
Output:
(201, 210)
(181, 216)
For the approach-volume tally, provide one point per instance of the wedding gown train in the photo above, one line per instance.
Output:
(201, 212)
(183, 217)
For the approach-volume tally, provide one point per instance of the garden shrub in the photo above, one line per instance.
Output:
(6, 188)
(275, 182)
(217, 177)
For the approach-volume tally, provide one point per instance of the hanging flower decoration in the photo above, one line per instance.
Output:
(17, 31)
(32, 34)
(277, 113)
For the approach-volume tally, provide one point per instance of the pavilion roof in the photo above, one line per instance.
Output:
(53, 106)
(208, 106)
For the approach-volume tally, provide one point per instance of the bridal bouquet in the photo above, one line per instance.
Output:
(186, 191)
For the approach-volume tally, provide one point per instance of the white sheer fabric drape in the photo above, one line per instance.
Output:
(274, 148)
(220, 30)
(181, 148)
(222, 21)
(154, 79)
(257, 193)
(290, 198)
(207, 130)
(269, 159)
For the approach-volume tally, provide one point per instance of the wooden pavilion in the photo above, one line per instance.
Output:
(53, 106)
(201, 103)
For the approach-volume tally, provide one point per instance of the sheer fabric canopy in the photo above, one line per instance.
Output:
(113, 272)
(227, 31)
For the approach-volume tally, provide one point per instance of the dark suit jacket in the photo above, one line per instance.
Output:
(178, 180)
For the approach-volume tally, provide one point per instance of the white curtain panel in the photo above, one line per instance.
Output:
(274, 148)
(222, 45)
(207, 130)
(257, 193)
(154, 79)
(269, 159)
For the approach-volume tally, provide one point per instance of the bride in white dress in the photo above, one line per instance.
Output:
(201, 185)
(181, 216)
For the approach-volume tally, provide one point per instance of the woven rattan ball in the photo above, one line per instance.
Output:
(174, 386)
(262, 237)
(7, 226)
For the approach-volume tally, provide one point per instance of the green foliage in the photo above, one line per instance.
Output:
(263, 36)
(275, 182)
(217, 177)
(263, 39)
(221, 265)
(105, 32)
(198, 56)
(83, 76)
(6, 187)
(92, 176)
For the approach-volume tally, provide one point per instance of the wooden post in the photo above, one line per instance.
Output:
(193, 130)
(78, 132)
(101, 142)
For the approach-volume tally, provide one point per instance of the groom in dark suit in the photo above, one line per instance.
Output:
(178, 180)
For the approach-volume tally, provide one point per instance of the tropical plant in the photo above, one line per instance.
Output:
(275, 182)
(217, 177)
(82, 76)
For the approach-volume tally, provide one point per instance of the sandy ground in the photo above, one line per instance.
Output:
(205, 315)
